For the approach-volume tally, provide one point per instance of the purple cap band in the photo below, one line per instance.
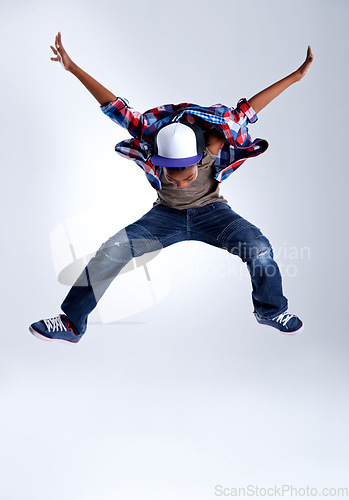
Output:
(161, 161)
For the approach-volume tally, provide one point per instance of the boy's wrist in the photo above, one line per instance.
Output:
(72, 67)
(296, 76)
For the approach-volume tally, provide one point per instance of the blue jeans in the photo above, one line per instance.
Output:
(215, 223)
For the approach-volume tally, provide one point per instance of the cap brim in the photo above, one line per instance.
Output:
(161, 161)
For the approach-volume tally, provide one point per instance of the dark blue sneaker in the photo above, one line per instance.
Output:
(57, 328)
(285, 322)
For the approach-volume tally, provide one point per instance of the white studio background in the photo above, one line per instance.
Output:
(189, 393)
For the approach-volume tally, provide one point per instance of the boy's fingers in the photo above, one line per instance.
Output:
(58, 44)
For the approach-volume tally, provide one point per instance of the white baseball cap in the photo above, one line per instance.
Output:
(178, 145)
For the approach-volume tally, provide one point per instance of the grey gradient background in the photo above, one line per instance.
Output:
(190, 393)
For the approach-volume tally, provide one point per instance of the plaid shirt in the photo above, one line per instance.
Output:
(143, 127)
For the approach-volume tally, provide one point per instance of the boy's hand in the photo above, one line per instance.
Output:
(61, 54)
(302, 70)
(263, 98)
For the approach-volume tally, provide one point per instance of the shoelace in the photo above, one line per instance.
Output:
(283, 318)
(55, 323)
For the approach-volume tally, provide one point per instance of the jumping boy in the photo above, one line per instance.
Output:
(185, 150)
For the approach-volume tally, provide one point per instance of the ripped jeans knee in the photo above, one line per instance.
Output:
(253, 249)
(260, 261)
(131, 241)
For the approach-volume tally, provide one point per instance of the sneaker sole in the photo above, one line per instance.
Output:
(48, 339)
(300, 329)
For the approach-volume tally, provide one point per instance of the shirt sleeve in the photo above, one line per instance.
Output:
(244, 113)
(121, 113)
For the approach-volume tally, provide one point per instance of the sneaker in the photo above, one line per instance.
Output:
(285, 322)
(57, 328)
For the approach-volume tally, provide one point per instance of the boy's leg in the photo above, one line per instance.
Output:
(158, 228)
(220, 226)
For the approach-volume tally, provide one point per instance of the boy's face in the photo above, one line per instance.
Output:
(181, 178)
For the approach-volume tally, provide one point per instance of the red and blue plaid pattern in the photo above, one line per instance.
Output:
(143, 127)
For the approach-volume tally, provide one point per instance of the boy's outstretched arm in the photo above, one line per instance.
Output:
(260, 100)
(102, 94)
